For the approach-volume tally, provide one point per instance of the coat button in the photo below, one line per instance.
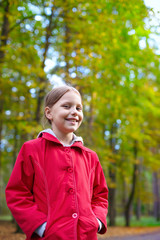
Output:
(71, 190)
(67, 149)
(74, 215)
(70, 170)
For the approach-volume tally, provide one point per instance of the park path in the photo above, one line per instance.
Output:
(148, 236)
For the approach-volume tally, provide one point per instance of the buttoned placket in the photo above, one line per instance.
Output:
(72, 189)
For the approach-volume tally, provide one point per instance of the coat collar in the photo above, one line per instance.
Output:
(49, 135)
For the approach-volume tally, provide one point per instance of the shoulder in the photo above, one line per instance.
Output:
(85, 149)
(88, 150)
(32, 144)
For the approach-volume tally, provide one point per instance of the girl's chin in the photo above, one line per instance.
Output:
(72, 126)
(71, 129)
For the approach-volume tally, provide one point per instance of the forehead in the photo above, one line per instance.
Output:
(71, 96)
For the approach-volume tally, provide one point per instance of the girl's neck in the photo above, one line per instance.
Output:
(65, 139)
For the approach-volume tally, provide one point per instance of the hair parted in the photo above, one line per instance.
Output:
(55, 94)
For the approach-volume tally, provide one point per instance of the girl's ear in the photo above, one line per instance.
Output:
(48, 113)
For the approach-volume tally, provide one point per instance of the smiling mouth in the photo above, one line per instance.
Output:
(72, 120)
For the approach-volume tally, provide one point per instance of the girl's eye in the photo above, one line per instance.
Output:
(66, 106)
(79, 109)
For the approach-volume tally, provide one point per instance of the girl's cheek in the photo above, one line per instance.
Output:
(82, 116)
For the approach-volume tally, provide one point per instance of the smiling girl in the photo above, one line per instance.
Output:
(57, 190)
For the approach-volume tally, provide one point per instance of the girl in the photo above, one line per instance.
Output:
(57, 190)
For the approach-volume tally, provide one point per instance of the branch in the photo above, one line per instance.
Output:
(23, 19)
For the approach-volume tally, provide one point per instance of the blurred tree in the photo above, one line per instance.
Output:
(102, 48)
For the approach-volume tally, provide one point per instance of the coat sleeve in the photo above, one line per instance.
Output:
(19, 194)
(100, 197)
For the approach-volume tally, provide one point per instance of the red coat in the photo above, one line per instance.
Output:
(63, 186)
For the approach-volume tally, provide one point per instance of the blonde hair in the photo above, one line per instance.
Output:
(54, 95)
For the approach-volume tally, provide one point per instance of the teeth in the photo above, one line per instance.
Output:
(72, 120)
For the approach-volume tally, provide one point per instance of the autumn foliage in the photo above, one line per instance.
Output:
(106, 50)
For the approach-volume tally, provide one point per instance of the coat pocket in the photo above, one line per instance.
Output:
(88, 224)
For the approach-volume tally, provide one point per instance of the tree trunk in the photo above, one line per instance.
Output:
(112, 176)
(5, 29)
(111, 200)
(131, 196)
(138, 204)
(156, 193)
(3, 43)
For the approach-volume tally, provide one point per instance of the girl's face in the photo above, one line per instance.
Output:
(66, 115)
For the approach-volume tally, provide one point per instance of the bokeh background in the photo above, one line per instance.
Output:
(109, 50)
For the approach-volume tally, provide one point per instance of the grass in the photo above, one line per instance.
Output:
(143, 222)
(6, 218)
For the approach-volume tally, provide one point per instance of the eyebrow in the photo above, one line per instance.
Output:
(70, 102)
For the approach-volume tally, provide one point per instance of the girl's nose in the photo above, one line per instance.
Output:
(74, 111)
